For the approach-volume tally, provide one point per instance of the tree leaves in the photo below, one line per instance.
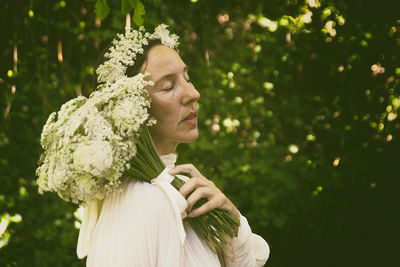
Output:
(128, 5)
(102, 9)
(138, 13)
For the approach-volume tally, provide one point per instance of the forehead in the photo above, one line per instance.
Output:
(163, 60)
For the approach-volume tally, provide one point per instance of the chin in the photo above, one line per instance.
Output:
(190, 137)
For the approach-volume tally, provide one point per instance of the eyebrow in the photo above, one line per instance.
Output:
(171, 75)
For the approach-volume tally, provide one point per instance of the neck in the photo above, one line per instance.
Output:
(164, 148)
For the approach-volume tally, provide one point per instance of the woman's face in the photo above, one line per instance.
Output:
(173, 99)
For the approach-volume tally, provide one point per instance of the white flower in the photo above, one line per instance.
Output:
(94, 158)
(125, 49)
(162, 33)
(90, 141)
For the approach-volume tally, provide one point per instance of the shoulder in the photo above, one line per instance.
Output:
(143, 201)
(143, 191)
(143, 195)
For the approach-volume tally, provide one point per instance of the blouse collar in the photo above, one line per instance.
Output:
(169, 160)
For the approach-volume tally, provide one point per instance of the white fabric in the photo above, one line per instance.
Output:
(142, 226)
(90, 217)
(177, 201)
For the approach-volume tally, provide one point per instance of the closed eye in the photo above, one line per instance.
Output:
(170, 87)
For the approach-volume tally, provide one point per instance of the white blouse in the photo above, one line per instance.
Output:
(142, 226)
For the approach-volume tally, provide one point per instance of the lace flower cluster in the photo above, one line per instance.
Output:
(125, 49)
(89, 142)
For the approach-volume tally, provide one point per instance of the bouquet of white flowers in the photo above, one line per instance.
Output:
(88, 144)
(94, 144)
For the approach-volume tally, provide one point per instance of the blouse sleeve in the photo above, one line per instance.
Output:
(136, 228)
(247, 249)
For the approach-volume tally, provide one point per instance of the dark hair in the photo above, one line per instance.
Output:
(131, 70)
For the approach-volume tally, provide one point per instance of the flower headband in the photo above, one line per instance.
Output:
(125, 49)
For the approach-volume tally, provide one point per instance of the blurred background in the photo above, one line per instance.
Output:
(298, 117)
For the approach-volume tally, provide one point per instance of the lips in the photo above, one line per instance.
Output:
(191, 116)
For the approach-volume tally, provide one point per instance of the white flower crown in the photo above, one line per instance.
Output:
(125, 49)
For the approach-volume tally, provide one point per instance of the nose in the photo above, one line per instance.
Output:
(191, 94)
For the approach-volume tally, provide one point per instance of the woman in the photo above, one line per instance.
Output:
(136, 227)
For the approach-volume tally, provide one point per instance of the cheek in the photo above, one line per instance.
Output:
(164, 111)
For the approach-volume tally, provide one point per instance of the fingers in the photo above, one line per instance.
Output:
(185, 168)
(194, 183)
(206, 207)
(199, 193)
(201, 187)
(215, 202)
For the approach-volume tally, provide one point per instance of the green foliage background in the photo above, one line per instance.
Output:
(298, 119)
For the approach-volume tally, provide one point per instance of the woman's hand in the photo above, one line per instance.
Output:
(201, 187)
